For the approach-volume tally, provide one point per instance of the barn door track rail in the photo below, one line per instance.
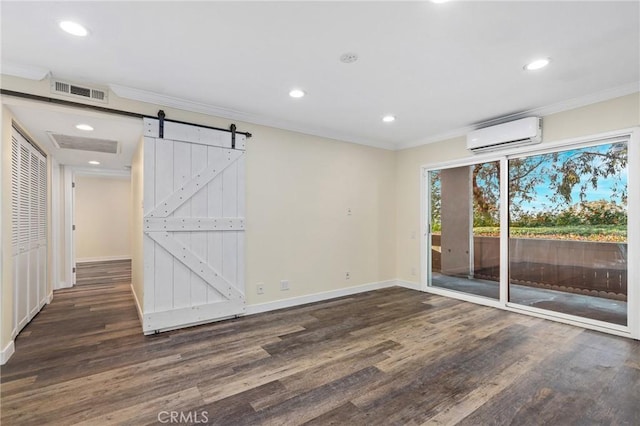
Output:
(161, 117)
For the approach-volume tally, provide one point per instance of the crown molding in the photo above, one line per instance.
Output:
(25, 71)
(231, 114)
(569, 104)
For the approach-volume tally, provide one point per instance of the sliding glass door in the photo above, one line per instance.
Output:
(465, 229)
(563, 249)
(568, 231)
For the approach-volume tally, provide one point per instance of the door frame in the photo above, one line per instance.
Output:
(69, 176)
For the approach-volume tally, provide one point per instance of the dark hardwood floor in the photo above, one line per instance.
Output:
(387, 357)
(105, 272)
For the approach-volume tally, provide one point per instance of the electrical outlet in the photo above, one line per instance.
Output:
(349, 211)
(284, 285)
(347, 275)
(413, 235)
(413, 271)
(260, 288)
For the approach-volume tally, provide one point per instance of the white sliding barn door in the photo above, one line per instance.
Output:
(194, 208)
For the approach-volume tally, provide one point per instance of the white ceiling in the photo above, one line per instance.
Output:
(440, 68)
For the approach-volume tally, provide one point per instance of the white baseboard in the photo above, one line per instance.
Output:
(49, 297)
(102, 258)
(408, 284)
(138, 307)
(317, 297)
(6, 353)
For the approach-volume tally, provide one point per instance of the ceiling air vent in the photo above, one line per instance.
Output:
(85, 144)
(78, 91)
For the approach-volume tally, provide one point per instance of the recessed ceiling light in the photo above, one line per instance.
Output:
(389, 118)
(85, 127)
(439, 1)
(296, 93)
(537, 64)
(74, 28)
(94, 162)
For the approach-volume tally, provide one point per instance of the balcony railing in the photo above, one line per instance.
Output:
(582, 267)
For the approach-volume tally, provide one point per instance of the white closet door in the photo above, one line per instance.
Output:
(42, 233)
(194, 226)
(28, 236)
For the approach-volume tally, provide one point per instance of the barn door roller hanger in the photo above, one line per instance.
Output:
(232, 129)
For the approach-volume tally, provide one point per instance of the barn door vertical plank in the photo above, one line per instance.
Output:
(149, 203)
(199, 239)
(214, 243)
(164, 261)
(181, 175)
(241, 212)
(230, 209)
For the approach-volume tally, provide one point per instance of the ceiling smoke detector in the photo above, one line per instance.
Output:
(348, 58)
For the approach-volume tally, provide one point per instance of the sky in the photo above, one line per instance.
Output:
(543, 192)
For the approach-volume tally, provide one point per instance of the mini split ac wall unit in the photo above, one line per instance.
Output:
(526, 131)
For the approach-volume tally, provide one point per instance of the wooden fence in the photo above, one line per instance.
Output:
(583, 267)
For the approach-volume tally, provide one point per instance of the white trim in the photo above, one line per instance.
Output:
(425, 229)
(103, 258)
(25, 71)
(7, 352)
(633, 235)
(465, 297)
(138, 307)
(50, 297)
(317, 297)
(69, 255)
(566, 105)
(504, 225)
(231, 114)
(56, 210)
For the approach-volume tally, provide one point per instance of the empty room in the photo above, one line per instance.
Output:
(329, 213)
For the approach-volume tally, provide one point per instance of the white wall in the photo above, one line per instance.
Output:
(299, 191)
(102, 217)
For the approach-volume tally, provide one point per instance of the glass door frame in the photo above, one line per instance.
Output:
(632, 329)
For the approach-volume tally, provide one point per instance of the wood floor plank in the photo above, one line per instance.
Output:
(392, 356)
